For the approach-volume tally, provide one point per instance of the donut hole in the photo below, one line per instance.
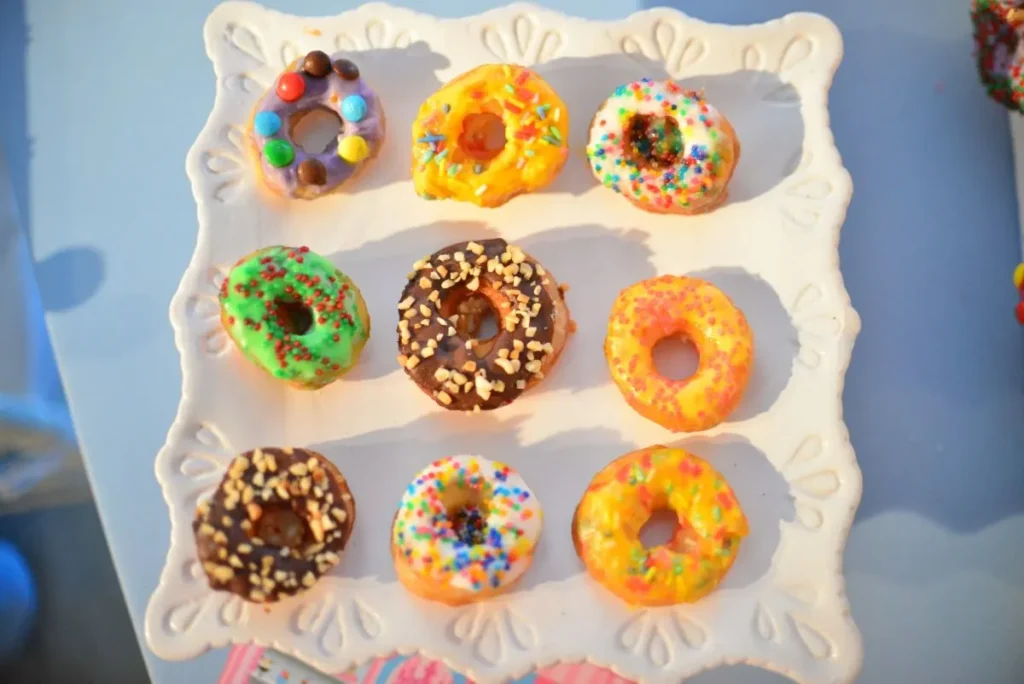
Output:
(466, 512)
(295, 317)
(659, 528)
(483, 136)
(664, 528)
(476, 319)
(315, 130)
(279, 525)
(654, 141)
(675, 358)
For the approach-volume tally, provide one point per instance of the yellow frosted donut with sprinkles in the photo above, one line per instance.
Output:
(492, 133)
(662, 147)
(465, 530)
(621, 499)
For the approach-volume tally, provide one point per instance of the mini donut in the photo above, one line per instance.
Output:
(295, 315)
(1018, 282)
(438, 349)
(277, 522)
(662, 147)
(465, 530)
(494, 132)
(649, 311)
(311, 83)
(998, 49)
(622, 498)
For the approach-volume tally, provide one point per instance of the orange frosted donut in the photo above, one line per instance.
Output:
(621, 499)
(649, 311)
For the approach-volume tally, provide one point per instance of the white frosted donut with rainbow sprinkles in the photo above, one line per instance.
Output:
(662, 147)
(465, 530)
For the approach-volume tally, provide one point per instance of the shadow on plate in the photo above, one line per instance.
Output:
(763, 494)
(775, 337)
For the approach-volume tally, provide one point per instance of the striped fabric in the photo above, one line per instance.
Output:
(416, 669)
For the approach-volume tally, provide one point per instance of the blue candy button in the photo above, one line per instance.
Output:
(353, 108)
(266, 123)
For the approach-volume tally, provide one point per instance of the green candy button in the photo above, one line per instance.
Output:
(279, 153)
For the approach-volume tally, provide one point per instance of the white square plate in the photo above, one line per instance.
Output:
(772, 248)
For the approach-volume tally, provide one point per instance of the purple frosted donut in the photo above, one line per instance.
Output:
(314, 82)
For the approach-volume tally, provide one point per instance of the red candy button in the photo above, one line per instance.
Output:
(291, 86)
(1020, 312)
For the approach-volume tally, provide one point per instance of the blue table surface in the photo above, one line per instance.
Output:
(102, 100)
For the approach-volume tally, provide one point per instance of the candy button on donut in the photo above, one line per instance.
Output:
(346, 69)
(353, 149)
(649, 311)
(266, 123)
(291, 86)
(353, 108)
(279, 153)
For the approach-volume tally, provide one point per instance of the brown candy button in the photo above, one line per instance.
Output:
(346, 69)
(312, 172)
(317, 64)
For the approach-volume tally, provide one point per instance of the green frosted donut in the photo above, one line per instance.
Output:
(295, 315)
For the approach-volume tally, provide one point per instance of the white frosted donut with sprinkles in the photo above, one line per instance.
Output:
(662, 147)
(465, 530)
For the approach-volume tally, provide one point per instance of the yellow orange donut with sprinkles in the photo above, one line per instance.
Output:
(662, 147)
(649, 311)
(621, 499)
(490, 134)
(465, 530)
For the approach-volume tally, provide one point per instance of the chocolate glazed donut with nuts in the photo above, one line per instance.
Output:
(439, 318)
(277, 522)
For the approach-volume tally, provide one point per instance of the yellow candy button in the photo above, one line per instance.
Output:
(1018, 276)
(353, 149)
